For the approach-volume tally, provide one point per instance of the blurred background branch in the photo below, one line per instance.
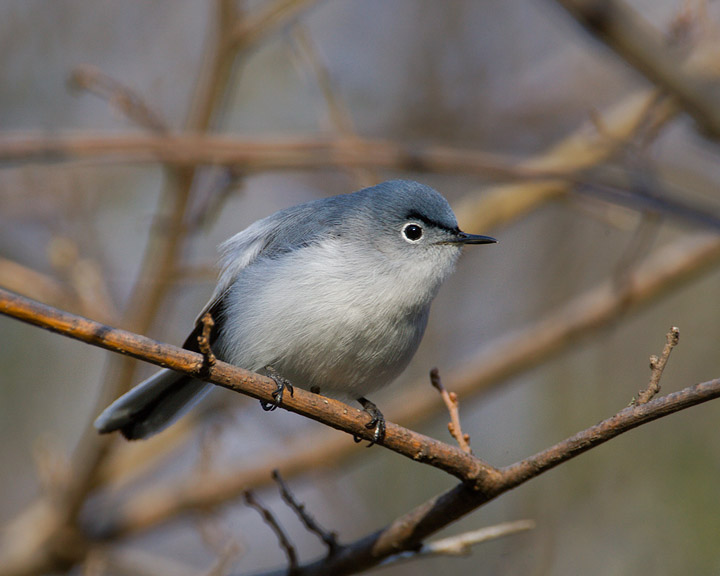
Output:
(644, 47)
(602, 194)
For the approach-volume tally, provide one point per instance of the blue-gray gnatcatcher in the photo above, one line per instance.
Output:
(332, 295)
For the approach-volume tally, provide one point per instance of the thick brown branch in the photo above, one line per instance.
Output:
(326, 410)
(669, 268)
(408, 531)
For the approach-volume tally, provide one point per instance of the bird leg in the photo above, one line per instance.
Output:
(377, 421)
(281, 385)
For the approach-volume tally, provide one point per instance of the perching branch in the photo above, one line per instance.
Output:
(410, 530)
(663, 272)
(481, 482)
(326, 410)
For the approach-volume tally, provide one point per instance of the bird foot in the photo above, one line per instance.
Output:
(377, 421)
(281, 384)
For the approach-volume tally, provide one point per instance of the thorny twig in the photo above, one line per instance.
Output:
(451, 401)
(657, 367)
(329, 538)
(271, 521)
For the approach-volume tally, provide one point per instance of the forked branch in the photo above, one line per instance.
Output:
(481, 482)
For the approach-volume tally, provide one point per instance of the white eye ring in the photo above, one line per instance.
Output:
(412, 232)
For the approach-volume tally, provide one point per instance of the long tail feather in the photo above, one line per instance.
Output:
(152, 405)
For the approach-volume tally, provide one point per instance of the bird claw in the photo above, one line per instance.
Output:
(281, 384)
(377, 421)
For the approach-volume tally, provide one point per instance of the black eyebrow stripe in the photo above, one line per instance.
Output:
(412, 215)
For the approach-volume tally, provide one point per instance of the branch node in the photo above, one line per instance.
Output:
(451, 401)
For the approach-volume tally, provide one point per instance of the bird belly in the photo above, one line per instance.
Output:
(320, 331)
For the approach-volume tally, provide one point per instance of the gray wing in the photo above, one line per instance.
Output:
(285, 231)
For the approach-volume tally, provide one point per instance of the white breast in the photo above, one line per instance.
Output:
(322, 316)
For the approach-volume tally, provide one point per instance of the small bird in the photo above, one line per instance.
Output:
(332, 296)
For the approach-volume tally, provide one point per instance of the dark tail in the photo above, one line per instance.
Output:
(152, 405)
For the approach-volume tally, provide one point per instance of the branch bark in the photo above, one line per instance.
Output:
(481, 482)
(667, 269)
(408, 531)
(331, 412)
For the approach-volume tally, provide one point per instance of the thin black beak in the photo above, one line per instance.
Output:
(463, 238)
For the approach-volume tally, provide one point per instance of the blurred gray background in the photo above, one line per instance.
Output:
(511, 77)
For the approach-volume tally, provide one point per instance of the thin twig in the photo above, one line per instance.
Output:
(328, 537)
(657, 366)
(225, 551)
(266, 18)
(451, 401)
(271, 521)
(203, 339)
(129, 103)
(461, 544)
(338, 112)
(228, 556)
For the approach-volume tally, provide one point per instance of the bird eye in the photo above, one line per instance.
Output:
(412, 232)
